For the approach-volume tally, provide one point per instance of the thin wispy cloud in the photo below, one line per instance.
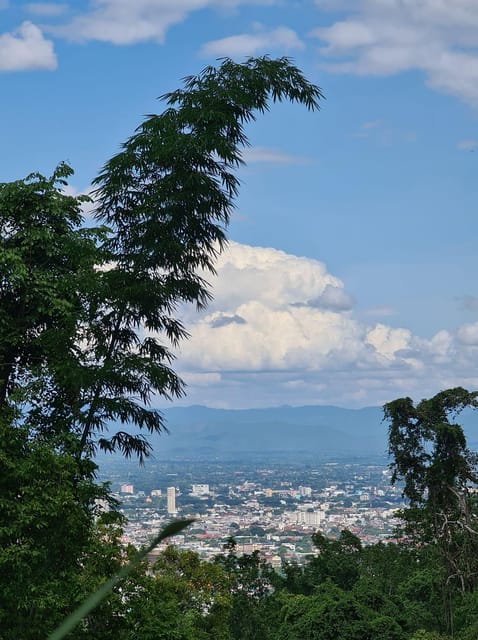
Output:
(47, 9)
(266, 155)
(467, 145)
(281, 39)
(372, 124)
(367, 127)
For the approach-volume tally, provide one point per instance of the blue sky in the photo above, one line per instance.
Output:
(359, 219)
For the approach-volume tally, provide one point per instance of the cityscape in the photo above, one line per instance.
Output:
(273, 508)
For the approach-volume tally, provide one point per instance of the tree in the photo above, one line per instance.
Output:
(47, 270)
(332, 614)
(47, 494)
(167, 198)
(97, 341)
(430, 455)
(338, 560)
(182, 597)
(250, 585)
(47, 527)
(88, 317)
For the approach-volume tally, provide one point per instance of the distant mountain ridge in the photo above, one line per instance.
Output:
(291, 434)
(307, 431)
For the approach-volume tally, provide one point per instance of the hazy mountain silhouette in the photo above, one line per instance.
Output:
(280, 431)
(283, 431)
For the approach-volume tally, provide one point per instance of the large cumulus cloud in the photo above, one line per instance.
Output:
(282, 329)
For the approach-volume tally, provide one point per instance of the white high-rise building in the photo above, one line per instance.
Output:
(171, 499)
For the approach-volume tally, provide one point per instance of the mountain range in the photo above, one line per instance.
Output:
(280, 432)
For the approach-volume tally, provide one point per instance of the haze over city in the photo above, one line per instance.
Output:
(350, 275)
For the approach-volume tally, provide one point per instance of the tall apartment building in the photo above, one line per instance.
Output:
(171, 495)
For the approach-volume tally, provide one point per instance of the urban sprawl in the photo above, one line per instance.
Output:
(270, 508)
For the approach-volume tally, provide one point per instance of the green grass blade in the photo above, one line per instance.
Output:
(93, 601)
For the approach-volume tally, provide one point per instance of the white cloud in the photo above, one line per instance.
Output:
(438, 37)
(267, 155)
(387, 342)
(268, 275)
(333, 298)
(87, 208)
(201, 379)
(248, 44)
(468, 334)
(124, 22)
(281, 330)
(26, 49)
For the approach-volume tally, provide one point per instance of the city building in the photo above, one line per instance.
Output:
(171, 495)
(200, 490)
(310, 518)
(127, 488)
(305, 491)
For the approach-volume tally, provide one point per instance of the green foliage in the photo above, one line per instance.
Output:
(333, 614)
(47, 269)
(96, 598)
(250, 584)
(46, 527)
(183, 597)
(338, 560)
(421, 634)
(388, 564)
(421, 594)
(430, 455)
